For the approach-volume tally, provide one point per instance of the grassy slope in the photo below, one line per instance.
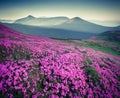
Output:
(106, 46)
(102, 48)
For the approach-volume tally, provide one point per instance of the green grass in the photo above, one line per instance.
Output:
(15, 93)
(97, 46)
(89, 61)
(90, 71)
(101, 48)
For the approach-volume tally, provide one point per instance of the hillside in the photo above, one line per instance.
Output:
(107, 42)
(50, 32)
(34, 66)
(113, 35)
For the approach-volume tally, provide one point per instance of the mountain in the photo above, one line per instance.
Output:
(79, 24)
(40, 67)
(109, 23)
(50, 32)
(43, 21)
(74, 24)
(25, 20)
(6, 21)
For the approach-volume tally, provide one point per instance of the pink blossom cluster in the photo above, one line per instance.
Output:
(37, 67)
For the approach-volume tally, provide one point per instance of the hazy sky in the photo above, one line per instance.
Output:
(86, 9)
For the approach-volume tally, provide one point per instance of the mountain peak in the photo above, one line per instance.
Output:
(30, 16)
(76, 18)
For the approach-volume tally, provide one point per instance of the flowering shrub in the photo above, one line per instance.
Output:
(37, 67)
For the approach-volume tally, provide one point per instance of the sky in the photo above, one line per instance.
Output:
(96, 10)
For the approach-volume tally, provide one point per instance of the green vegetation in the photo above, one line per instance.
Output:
(17, 53)
(90, 71)
(89, 61)
(3, 53)
(112, 47)
(101, 48)
(13, 92)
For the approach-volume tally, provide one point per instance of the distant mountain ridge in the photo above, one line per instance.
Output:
(110, 23)
(79, 24)
(42, 21)
(25, 19)
(74, 24)
(7, 21)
